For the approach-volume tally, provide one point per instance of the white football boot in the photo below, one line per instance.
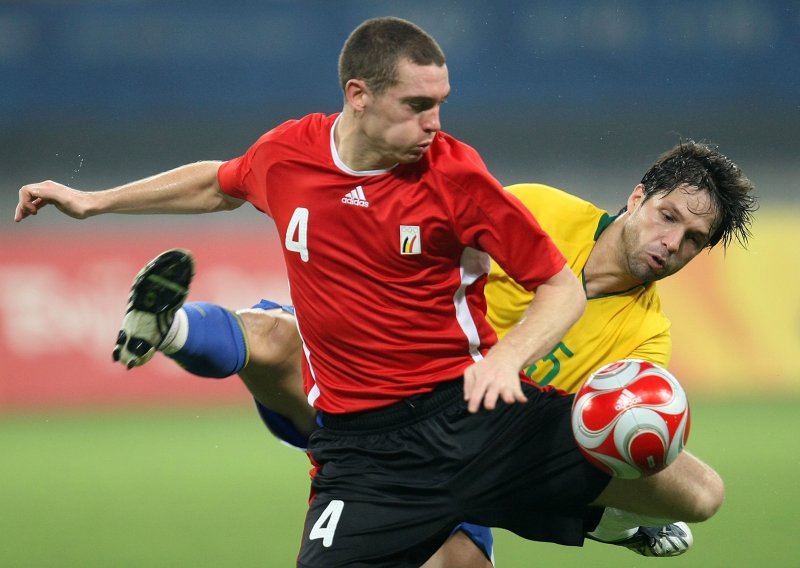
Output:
(158, 291)
(670, 540)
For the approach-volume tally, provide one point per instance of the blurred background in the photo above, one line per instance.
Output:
(583, 95)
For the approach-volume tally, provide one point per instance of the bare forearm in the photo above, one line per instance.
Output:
(189, 189)
(558, 304)
(192, 188)
(556, 307)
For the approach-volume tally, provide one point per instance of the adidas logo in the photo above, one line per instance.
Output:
(356, 197)
(626, 400)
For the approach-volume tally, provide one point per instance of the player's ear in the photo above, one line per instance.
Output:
(357, 94)
(636, 197)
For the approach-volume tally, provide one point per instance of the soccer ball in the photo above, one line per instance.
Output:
(631, 418)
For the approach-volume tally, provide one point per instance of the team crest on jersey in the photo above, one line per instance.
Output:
(410, 241)
(356, 197)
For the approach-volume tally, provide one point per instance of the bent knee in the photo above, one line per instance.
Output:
(703, 489)
(702, 498)
(272, 336)
(708, 501)
(691, 492)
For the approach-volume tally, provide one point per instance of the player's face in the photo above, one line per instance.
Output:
(401, 122)
(663, 233)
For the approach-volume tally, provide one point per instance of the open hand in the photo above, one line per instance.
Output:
(490, 379)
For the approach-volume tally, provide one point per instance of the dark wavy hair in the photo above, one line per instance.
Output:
(701, 165)
(374, 48)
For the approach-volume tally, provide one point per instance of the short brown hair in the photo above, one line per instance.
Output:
(372, 51)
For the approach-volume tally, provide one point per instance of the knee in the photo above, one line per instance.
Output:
(257, 325)
(272, 337)
(688, 491)
(708, 499)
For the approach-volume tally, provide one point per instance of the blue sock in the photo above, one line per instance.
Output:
(215, 346)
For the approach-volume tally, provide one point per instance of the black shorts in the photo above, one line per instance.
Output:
(391, 484)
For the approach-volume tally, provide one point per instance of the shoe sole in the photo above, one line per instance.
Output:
(163, 284)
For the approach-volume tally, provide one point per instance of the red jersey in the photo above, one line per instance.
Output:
(386, 268)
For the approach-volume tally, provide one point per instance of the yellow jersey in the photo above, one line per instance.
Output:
(628, 324)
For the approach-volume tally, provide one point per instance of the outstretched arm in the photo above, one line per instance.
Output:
(188, 189)
(558, 304)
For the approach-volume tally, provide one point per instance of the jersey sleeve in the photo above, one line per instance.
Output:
(495, 221)
(506, 301)
(245, 177)
(657, 349)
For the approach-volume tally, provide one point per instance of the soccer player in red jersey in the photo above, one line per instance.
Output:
(669, 214)
(388, 225)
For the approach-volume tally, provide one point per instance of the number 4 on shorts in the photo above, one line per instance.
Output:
(326, 524)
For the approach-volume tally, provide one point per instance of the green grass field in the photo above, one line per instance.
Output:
(208, 487)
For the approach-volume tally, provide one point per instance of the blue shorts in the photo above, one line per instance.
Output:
(283, 429)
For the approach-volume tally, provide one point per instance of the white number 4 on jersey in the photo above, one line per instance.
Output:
(296, 239)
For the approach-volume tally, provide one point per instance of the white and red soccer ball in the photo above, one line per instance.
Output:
(631, 418)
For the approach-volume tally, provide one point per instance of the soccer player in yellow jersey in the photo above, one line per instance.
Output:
(691, 199)
(623, 317)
